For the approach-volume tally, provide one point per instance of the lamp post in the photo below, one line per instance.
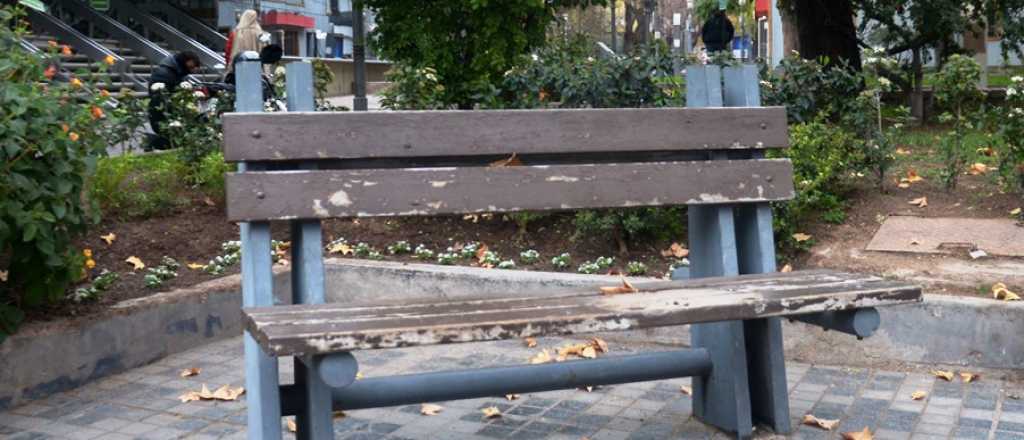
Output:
(614, 45)
(359, 56)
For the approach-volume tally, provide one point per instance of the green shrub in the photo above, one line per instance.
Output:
(1011, 131)
(51, 136)
(808, 89)
(956, 88)
(413, 89)
(133, 186)
(208, 175)
(631, 224)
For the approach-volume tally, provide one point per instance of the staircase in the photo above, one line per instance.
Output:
(113, 82)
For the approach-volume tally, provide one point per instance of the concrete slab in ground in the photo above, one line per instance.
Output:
(143, 403)
(1002, 237)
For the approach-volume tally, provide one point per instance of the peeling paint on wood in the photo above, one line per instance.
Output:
(318, 329)
(273, 195)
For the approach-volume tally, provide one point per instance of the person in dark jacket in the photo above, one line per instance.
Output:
(166, 78)
(717, 32)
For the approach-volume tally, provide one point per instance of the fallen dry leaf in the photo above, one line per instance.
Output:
(626, 287)
(481, 253)
(676, 250)
(530, 342)
(986, 151)
(340, 248)
(918, 395)
(511, 161)
(1015, 211)
(977, 168)
(491, 412)
(225, 393)
(801, 237)
(903, 185)
(787, 268)
(209, 202)
(580, 350)
(920, 202)
(999, 291)
(472, 217)
(541, 358)
(589, 352)
(825, 424)
(3, 276)
(947, 375)
(912, 177)
(969, 377)
(512, 396)
(290, 424)
(189, 372)
(135, 262)
(430, 409)
(902, 152)
(599, 344)
(109, 238)
(686, 390)
(859, 435)
(195, 266)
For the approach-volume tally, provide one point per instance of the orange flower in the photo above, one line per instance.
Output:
(97, 113)
(73, 136)
(65, 50)
(109, 60)
(90, 263)
(87, 253)
(76, 83)
(53, 44)
(51, 71)
(65, 127)
(104, 93)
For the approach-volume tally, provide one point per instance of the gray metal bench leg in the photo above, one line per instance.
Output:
(314, 421)
(262, 383)
(765, 356)
(722, 398)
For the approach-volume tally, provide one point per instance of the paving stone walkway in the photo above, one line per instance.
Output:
(143, 403)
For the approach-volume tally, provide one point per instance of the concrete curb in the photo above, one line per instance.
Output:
(50, 357)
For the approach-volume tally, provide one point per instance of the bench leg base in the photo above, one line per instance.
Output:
(722, 398)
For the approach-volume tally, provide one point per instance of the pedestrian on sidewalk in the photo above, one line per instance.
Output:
(247, 36)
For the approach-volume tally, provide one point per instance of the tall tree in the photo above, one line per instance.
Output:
(469, 43)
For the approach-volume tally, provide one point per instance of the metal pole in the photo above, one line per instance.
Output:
(860, 322)
(485, 382)
(359, 56)
(614, 43)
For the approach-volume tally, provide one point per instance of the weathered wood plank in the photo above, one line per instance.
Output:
(318, 329)
(350, 135)
(286, 195)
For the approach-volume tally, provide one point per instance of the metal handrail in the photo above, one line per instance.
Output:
(168, 33)
(196, 27)
(95, 51)
(127, 37)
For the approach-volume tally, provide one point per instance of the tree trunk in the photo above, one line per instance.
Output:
(917, 109)
(826, 29)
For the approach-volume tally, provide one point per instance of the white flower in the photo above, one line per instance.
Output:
(175, 124)
(199, 94)
(156, 87)
(884, 82)
(1017, 78)
(1011, 91)
(186, 85)
(534, 56)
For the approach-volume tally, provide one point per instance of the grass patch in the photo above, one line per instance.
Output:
(144, 185)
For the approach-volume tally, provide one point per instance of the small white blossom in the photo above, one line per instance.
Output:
(884, 82)
(156, 87)
(175, 124)
(186, 85)
(199, 94)
(534, 56)
(1011, 91)
(1017, 79)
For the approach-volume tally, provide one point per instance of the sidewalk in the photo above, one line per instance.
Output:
(143, 404)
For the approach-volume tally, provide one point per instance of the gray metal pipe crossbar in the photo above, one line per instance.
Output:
(488, 382)
(859, 322)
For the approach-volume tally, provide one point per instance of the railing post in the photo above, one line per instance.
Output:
(261, 376)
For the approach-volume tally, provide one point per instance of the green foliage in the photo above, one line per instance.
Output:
(194, 126)
(469, 43)
(956, 88)
(636, 268)
(529, 256)
(156, 276)
(631, 223)
(208, 175)
(100, 284)
(562, 261)
(413, 89)
(400, 247)
(808, 89)
(51, 135)
(133, 186)
(821, 154)
(523, 219)
(131, 115)
(1011, 131)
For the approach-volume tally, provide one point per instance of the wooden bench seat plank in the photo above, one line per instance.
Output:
(285, 195)
(319, 329)
(349, 135)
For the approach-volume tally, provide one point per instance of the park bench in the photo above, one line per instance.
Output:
(303, 167)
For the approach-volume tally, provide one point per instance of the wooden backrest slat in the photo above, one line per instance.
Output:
(280, 195)
(354, 135)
